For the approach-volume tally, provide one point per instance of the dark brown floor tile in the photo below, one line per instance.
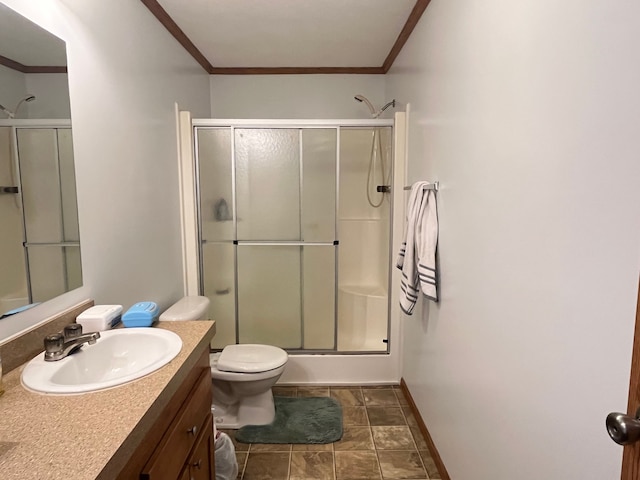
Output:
(241, 457)
(312, 447)
(429, 464)
(357, 466)
(348, 396)
(393, 438)
(284, 391)
(270, 447)
(354, 416)
(380, 397)
(240, 447)
(313, 391)
(411, 420)
(401, 465)
(420, 441)
(354, 438)
(266, 466)
(385, 416)
(311, 466)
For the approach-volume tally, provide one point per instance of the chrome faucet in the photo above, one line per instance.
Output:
(61, 345)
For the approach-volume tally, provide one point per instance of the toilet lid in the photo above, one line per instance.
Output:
(250, 358)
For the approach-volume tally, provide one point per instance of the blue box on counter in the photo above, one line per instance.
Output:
(142, 314)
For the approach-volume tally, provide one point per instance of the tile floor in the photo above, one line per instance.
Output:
(381, 441)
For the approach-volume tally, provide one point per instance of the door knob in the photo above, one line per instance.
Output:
(623, 429)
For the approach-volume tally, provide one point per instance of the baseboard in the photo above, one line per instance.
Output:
(444, 475)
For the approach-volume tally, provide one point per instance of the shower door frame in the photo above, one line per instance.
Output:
(337, 124)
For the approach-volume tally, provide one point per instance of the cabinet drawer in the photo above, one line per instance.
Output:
(201, 462)
(171, 454)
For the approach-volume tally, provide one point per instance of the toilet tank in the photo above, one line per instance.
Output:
(187, 308)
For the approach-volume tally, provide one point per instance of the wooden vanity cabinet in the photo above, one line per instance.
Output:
(180, 445)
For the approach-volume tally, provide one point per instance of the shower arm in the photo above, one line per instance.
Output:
(392, 103)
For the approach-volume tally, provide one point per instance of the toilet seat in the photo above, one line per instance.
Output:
(251, 358)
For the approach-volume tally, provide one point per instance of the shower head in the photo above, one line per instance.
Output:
(392, 103)
(9, 113)
(363, 99)
(372, 110)
(28, 98)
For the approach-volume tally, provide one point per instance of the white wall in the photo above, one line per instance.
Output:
(527, 113)
(52, 96)
(294, 96)
(125, 73)
(13, 88)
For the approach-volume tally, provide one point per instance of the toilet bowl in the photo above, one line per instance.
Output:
(242, 375)
(242, 379)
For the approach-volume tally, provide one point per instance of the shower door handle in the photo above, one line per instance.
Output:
(9, 190)
(383, 188)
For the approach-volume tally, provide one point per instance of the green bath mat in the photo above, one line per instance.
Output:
(298, 420)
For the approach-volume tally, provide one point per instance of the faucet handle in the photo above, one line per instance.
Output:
(53, 343)
(72, 330)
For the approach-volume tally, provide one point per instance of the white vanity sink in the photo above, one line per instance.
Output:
(118, 356)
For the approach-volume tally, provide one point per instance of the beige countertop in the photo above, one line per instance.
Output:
(91, 435)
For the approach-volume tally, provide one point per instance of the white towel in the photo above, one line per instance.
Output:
(417, 257)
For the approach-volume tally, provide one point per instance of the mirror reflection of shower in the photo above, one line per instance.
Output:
(12, 114)
(376, 157)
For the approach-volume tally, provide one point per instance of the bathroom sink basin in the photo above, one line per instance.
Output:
(118, 357)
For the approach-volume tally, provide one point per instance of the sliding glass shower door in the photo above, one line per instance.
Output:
(268, 234)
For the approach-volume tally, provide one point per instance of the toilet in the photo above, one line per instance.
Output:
(242, 375)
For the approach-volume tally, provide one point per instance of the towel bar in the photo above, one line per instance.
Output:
(432, 186)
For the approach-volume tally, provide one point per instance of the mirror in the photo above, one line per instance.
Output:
(39, 239)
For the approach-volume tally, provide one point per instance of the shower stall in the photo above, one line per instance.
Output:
(294, 221)
(39, 241)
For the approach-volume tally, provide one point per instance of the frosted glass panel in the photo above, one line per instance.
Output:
(47, 272)
(219, 286)
(359, 174)
(74, 267)
(42, 201)
(269, 295)
(319, 185)
(268, 184)
(68, 186)
(319, 297)
(216, 201)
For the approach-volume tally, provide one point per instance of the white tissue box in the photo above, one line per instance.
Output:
(99, 318)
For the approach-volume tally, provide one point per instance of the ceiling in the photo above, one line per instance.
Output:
(250, 36)
(26, 47)
(290, 36)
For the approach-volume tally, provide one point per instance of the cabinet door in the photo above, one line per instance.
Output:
(185, 474)
(201, 462)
